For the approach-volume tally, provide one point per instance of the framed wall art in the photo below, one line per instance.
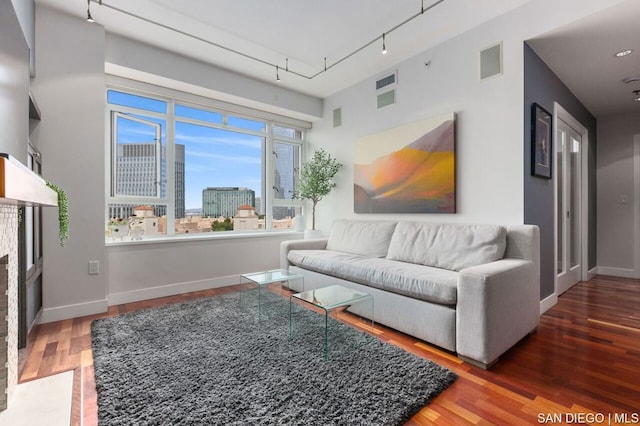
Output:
(541, 142)
(408, 169)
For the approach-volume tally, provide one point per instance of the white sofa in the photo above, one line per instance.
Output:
(470, 289)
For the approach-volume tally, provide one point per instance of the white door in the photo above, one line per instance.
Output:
(568, 179)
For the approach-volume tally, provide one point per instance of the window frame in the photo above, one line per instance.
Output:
(173, 98)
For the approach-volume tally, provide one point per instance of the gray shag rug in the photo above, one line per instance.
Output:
(210, 362)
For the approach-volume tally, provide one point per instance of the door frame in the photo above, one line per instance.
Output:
(636, 204)
(559, 113)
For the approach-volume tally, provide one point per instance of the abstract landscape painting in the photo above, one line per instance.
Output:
(408, 169)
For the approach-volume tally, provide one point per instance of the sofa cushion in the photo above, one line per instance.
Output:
(416, 281)
(448, 246)
(361, 237)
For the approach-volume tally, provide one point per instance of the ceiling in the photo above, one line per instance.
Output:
(582, 55)
(251, 37)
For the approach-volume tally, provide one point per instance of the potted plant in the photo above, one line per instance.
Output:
(316, 180)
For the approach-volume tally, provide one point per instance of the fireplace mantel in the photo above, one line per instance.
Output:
(20, 186)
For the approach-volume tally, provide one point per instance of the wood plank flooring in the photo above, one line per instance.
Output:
(582, 363)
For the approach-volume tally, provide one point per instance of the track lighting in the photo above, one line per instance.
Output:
(326, 68)
(89, 17)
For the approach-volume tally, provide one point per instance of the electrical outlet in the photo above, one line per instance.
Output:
(94, 267)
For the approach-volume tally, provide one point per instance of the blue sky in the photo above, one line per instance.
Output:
(213, 157)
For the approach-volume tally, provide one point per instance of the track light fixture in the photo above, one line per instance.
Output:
(327, 67)
(89, 17)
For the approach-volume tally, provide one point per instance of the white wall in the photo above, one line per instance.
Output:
(140, 272)
(26, 12)
(70, 90)
(486, 123)
(132, 59)
(14, 85)
(616, 180)
(490, 158)
(488, 133)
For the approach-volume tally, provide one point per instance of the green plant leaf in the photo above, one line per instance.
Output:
(316, 179)
(63, 213)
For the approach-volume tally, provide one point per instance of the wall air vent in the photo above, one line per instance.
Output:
(386, 99)
(386, 81)
(337, 117)
(386, 90)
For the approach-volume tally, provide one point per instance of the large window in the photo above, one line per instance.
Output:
(180, 166)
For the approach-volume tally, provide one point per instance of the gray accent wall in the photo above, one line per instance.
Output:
(542, 86)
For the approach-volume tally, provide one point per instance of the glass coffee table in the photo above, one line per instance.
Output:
(264, 278)
(329, 299)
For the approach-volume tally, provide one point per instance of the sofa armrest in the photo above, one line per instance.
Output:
(498, 304)
(286, 246)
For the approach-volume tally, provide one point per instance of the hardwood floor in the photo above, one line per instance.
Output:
(581, 366)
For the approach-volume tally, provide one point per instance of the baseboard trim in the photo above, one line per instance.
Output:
(170, 290)
(548, 303)
(73, 311)
(592, 273)
(59, 313)
(618, 272)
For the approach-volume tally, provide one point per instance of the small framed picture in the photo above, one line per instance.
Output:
(541, 142)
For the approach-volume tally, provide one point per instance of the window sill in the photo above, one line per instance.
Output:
(208, 236)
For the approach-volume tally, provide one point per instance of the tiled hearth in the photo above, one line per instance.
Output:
(8, 302)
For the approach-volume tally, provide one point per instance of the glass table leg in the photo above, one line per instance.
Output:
(326, 335)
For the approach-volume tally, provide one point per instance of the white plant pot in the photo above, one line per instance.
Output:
(299, 223)
(312, 234)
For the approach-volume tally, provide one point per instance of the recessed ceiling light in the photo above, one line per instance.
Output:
(622, 53)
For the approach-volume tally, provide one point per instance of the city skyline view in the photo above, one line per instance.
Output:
(212, 157)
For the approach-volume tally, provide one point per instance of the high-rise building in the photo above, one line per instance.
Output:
(285, 173)
(224, 201)
(180, 182)
(139, 174)
(285, 177)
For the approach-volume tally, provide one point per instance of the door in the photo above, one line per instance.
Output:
(568, 180)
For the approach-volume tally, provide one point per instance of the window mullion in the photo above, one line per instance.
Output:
(170, 168)
(269, 177)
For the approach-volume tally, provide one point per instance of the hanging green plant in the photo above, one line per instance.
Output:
(63, 213)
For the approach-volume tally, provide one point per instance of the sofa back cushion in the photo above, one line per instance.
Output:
(366, 238)
(447, 246)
